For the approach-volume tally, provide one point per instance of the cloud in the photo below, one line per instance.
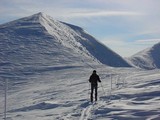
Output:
(103, 13)
(127, 48)
(147, 41)
(120, 46)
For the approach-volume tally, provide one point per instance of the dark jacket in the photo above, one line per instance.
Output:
(94, 78)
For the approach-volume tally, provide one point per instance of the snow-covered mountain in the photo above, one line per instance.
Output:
(148, 58)
(37, 42)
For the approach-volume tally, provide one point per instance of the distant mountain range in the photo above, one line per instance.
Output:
(148, 58)
(37, 42)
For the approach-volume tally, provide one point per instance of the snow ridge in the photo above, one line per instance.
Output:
(38, 41)
(148, 58)
(82, 41)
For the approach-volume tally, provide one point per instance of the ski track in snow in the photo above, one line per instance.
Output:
(86, 113)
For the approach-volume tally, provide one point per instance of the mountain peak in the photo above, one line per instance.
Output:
(37, 17)
(40, 15)
(41, 40)
(33, 19)
(148, 58)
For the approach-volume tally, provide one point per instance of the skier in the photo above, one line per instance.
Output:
(94, 79)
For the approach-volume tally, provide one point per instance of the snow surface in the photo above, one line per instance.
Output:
(64, 95)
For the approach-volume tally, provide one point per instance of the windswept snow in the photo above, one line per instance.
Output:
(64, 95)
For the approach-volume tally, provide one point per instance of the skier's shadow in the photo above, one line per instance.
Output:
(85, 103)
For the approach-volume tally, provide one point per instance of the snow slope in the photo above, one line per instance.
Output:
(38, 42)
(64, 95)
(148, 58)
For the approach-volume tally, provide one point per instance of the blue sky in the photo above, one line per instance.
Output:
(125, 26)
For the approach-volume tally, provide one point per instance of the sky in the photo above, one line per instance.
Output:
(125, 26)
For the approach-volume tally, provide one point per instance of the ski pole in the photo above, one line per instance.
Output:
(89, 91)
(5, 105)
(111, 87)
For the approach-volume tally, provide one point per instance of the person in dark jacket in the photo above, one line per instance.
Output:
(94, 79)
